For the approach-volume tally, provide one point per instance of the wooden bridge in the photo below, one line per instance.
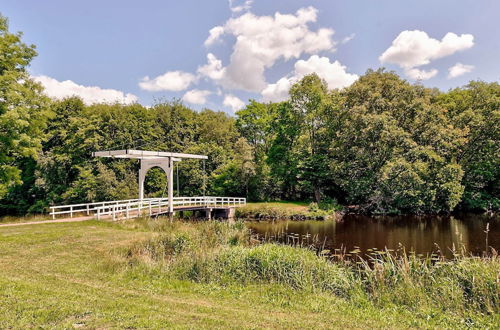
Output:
(209, 206)
(220, 207)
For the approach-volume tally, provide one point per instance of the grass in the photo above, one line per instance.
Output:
(282, 210)
(25, 218)
(140, 274)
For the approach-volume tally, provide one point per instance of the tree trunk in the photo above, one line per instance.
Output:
(317, 195)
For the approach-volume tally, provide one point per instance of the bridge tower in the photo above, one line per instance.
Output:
(150, 159)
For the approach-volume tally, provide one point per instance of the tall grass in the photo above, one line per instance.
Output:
(226, 254)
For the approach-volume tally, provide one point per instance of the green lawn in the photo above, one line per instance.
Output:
(67, 275)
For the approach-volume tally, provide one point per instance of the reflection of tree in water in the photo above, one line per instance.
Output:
(421, 234)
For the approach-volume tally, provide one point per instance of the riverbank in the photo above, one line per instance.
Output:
(143, 273)
(286, 210)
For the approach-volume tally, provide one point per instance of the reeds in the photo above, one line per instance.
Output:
(227, 254)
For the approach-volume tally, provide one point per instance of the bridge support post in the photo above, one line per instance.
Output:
(170, 183)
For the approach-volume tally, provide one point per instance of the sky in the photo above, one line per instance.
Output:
(219, 54)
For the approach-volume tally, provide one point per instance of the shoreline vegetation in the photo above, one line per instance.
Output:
(256, 211)
(287, 210)
(147, 273)
(227, 255)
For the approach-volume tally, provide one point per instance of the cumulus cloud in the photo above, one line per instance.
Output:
(233, 102)
(169, 81)
(263, 40)
(459, 69)
(412, 49)
(214, 35)
(236, 8)
(278, 91)
(89, 94)
(418, 74)
(196, 96)
(213, 69)
(334, 73)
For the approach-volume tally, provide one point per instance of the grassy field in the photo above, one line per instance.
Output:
(81, 275)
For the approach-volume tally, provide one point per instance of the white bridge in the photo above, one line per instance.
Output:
(132, 208)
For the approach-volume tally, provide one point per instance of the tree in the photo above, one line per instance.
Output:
(256, 124)
(395, 149)
(476, 110)
(23, 108)
(309, 100)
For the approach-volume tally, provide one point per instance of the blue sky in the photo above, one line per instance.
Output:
(104, 50)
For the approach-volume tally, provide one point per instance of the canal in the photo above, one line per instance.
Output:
(424, 235)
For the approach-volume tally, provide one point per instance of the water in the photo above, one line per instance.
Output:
(422, 235)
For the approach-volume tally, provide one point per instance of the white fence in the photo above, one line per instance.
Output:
(131, 208)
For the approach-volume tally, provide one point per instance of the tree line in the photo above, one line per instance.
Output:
(381, 145)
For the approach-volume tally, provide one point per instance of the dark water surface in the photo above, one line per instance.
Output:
(420, 234)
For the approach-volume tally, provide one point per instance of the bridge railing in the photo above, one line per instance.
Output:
(87, 208)
(135, 207)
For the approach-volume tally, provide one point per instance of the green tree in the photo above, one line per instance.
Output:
(23, 108)
(310, 101)
(394, 149)
(256, 124)
(476, 110)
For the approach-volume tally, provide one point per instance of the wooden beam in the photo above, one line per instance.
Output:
(145, 154)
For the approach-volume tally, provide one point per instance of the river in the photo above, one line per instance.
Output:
(420, 234)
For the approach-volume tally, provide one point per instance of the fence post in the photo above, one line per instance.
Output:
(71, 211)
(114, 215)
(88, 210)
(53, 213)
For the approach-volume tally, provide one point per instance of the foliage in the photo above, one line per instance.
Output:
(23, 109)
(65, 171)
(476, 109)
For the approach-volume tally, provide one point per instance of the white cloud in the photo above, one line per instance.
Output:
(239, 8)
(459, 69)
(412, 49)
(278, 91)
(196, 96)
(214, 35)
(333, 73)
(233, 102)
(263, 40)
(348, 38)
(89, 94)
(417, 74)
(169, 81)
(213, 69)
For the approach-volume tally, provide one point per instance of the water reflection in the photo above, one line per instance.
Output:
(421, 234)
